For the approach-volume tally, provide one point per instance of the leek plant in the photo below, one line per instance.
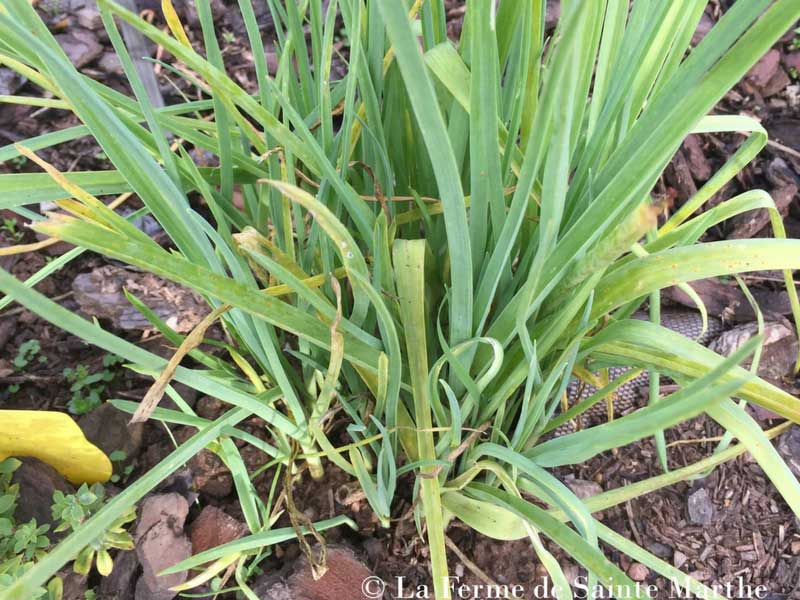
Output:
(432, 246)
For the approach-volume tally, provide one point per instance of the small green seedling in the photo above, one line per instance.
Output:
(72, 510)
(119, 456)
(11, 231)
(28, 350)
(87, 388)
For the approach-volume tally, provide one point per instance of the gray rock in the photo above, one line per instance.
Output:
(80, 45)
(89, 18)
(660, 550)
(583, 488)
(110, 63)
(161, 543)
(700, 507)
(10, 81)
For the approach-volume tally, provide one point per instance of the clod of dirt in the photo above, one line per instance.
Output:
(161, 543)
(80, 45)
(108, 429)
(779, 351)
(37, 482)
(121, 582)
(100, 294)
(10, 81)
(765, 69)
(343, 579)
(582, 488)
(210, 408)
(700, 507)
(210, 475)
(214, 527)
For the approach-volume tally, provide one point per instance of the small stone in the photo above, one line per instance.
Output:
(10, 81)
(110, 63)
(660, 550)
(161, 543)
(80, 45)
(638, 572)
(209, 474)
(700, 508)
(765, 69)
(679, 559)
(583, 488)
(89, 18)
(776, 84)
(214, 527)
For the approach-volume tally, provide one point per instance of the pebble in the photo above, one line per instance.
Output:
(583, 488)
(700, 508)
(161, 543)
(638, 572)
(80, 45)
(214, 527)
